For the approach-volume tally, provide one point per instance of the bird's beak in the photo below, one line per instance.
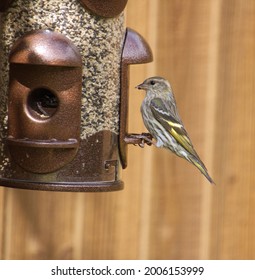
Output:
(141, 86)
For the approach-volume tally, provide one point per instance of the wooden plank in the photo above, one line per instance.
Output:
(182, 58)
(233, 222)
(2, 222)
(144, 20)
(210, 125)
(39, 225)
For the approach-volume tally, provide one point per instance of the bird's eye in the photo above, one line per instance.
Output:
(152, 83)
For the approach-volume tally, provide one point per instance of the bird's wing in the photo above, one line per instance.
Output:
(170, 120)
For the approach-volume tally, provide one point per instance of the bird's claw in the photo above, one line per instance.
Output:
(139, 139)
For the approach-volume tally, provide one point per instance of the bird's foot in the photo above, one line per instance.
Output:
(139, 139)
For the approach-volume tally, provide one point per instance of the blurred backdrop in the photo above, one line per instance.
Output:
(167, 210)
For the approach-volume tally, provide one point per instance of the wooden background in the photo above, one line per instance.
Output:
(167, 209)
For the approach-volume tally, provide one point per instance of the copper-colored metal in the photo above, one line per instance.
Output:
(135, 51)
(105, 8)
(47, 146)
(44, 101)
(45, 47)
(64, 187)
(4, 4)
(94, 169)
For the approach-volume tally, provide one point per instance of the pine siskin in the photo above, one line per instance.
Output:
(162, 120)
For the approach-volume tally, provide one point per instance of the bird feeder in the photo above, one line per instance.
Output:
(64, 93)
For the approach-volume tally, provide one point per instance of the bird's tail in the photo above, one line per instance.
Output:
(199, 164)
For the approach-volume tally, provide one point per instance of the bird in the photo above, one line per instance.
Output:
(162, 120)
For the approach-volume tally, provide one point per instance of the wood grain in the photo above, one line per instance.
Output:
(233, 226)
(167, 210)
